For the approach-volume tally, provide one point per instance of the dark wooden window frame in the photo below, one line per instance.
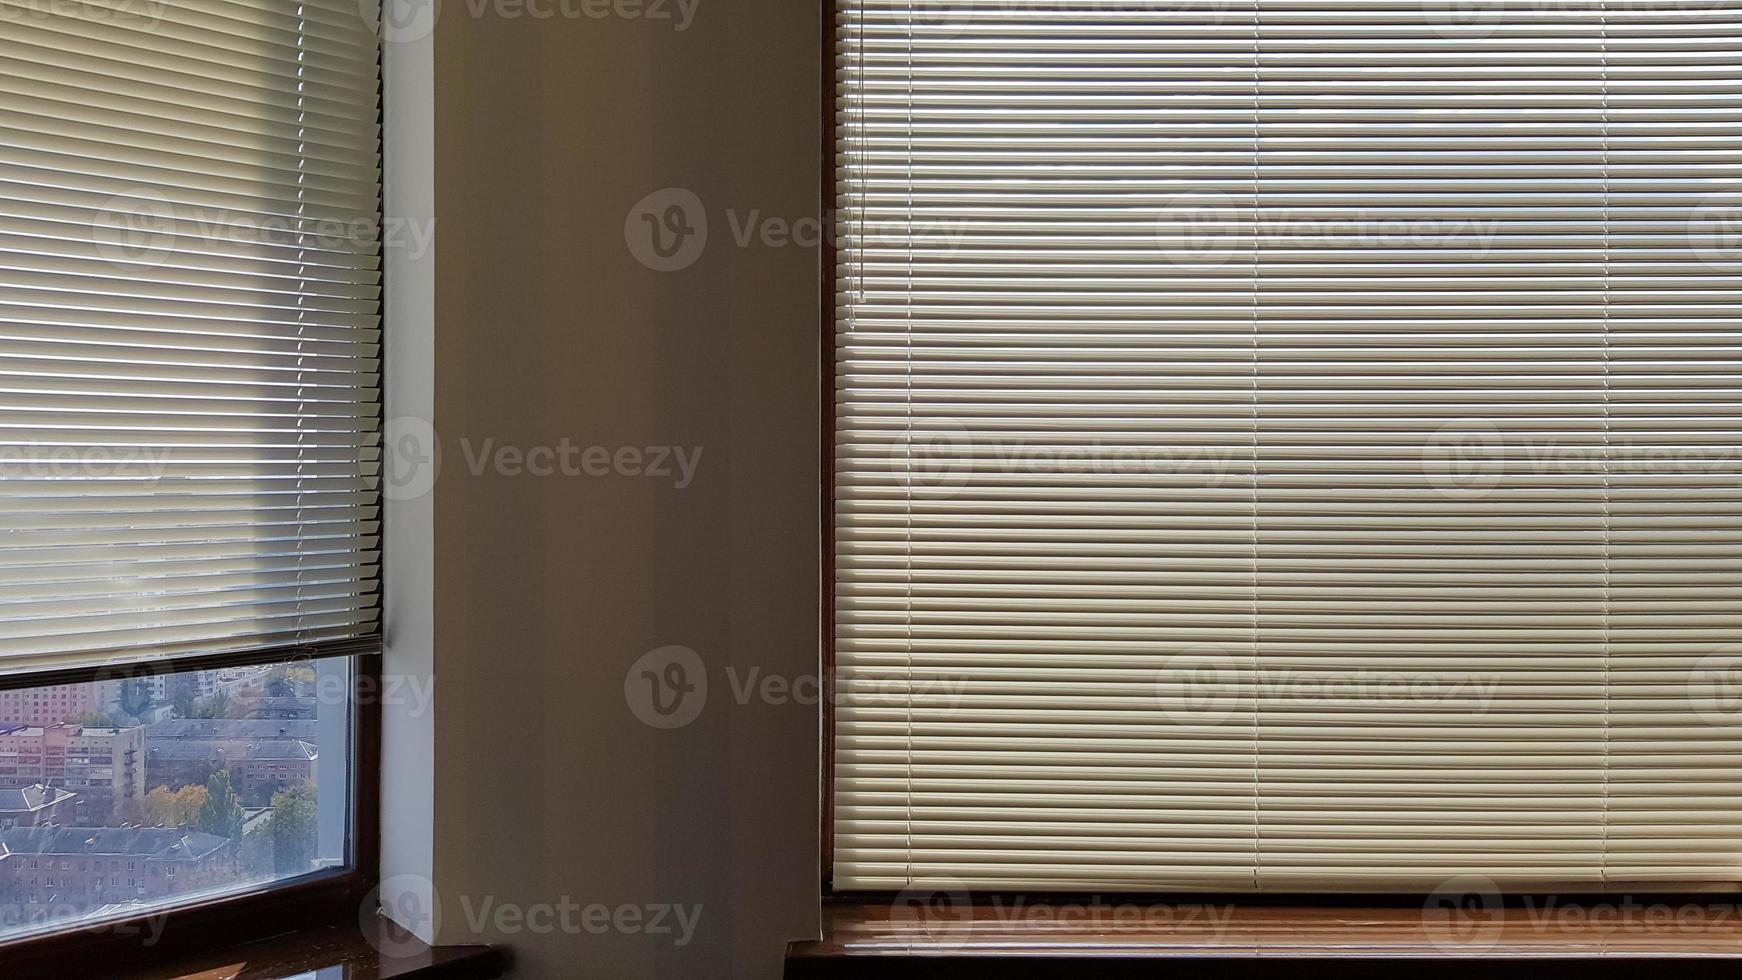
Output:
(1722, 894)
(111, 946)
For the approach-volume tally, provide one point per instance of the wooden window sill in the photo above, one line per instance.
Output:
(332, 953)
(1054, 936)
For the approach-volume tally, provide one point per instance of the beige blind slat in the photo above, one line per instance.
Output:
(1287, 444)
(190, 290)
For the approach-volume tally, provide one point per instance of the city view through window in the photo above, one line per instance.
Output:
(119, 798)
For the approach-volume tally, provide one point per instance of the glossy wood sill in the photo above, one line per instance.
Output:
(386, 952)
(1065, 937)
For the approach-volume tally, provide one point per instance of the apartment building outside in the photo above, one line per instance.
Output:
(257, 769)
(56, 704)
(95, 866)
(35, 806)
(103, 767)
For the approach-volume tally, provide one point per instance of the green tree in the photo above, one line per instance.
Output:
(222, 812)
(186, 705)
(292, 829)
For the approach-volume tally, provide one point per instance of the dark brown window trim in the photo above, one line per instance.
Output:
(1351, 935)
(107, 948)
(826, 390)
(377, 950)
(257, 657)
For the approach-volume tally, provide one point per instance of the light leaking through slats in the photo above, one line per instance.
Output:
(190, 335)
(1288, 444)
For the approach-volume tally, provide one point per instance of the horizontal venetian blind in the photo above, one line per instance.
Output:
(190, 296)
(1287, 444)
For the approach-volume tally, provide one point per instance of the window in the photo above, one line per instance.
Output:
(163, 770)
(1287, 447)
(190, 398)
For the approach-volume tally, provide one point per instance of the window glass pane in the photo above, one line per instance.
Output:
(122, 798)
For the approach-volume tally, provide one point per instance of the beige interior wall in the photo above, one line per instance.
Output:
(547, 589)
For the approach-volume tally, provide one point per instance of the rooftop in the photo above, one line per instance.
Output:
(31, 798)
(280, 703)
(234, 728)
(76, 731)
(153, 843)
(203, 749)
